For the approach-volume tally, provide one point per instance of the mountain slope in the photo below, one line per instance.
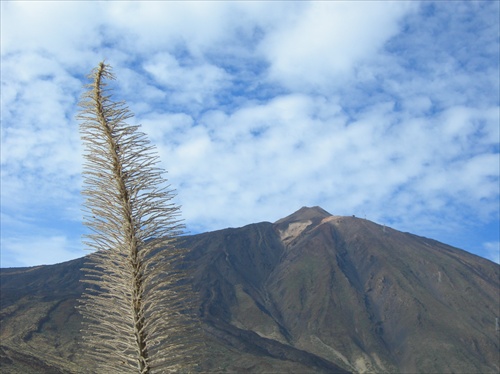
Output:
(387, 300)
(310, 293)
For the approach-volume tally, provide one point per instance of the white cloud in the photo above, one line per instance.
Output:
(194, 85)
(156, 26)
(64, 31)
(40, 153)
(284, 154)
(325, 43)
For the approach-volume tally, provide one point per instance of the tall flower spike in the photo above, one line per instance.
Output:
(137, 308)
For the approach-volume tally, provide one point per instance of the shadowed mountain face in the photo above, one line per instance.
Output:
(310, 293)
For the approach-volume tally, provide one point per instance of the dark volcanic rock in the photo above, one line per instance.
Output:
(310, 293)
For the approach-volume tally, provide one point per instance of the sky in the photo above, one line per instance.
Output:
(386, 110)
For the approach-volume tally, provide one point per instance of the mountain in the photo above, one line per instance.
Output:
(310, 293)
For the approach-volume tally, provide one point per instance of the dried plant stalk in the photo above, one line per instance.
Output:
(137, 310)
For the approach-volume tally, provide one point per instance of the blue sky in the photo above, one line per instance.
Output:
(386, 110)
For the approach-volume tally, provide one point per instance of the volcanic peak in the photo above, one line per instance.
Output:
(292, 226)
(305, 213)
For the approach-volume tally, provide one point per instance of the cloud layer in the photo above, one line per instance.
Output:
(381, 109)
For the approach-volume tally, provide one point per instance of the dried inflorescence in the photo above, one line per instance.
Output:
(138, 307)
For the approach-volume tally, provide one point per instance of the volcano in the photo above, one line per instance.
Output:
(309, 293)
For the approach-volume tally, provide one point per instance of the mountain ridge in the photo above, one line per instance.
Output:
(311, 292)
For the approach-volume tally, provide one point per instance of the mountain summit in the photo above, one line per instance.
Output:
(312, 292)
(305, 213)
(294, 224)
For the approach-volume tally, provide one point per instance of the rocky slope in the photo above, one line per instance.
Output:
(310, 293)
